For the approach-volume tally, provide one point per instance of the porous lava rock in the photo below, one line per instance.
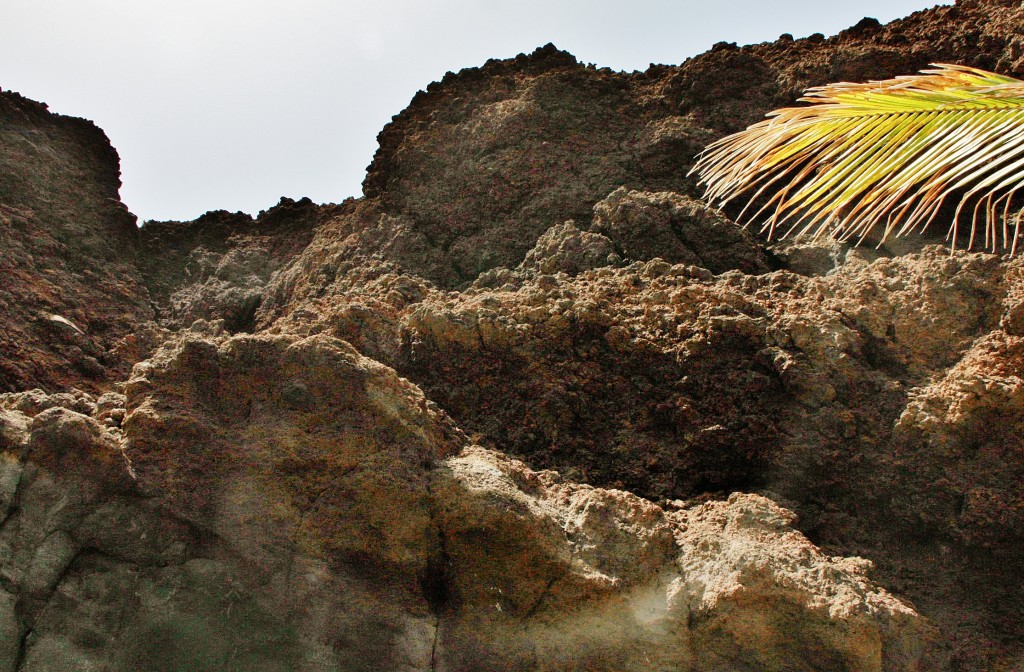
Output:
(528, 404)
(481, 163)
(217, 267)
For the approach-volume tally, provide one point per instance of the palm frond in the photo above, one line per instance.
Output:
(882, 154)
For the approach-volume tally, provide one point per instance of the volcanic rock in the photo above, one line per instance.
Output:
(287, 502)
(526, 405)
(71, 289)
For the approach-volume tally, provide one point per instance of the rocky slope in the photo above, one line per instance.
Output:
(528, 404)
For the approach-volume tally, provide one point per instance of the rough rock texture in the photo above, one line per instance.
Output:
(70, 287)
(299, 546)
(630, 434)
(218, 266)
(484, 161)
(277, 502)
(723, 585)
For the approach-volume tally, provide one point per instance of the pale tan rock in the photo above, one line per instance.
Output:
(761, 593)
(288, 441)
(552, 575)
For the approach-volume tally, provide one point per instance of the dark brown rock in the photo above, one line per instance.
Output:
(678, 229)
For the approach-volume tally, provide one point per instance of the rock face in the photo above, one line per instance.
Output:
(723, 585)
(483, 162)
(278, 502)
(527, 405)
(286, 503)
(218, 266)
(71, 290)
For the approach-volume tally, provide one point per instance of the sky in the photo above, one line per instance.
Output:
(231, 104)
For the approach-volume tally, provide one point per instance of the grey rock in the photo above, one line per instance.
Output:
(566, 249)
(678, 229)
(10, 632)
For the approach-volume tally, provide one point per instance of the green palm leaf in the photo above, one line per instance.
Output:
(882, 154)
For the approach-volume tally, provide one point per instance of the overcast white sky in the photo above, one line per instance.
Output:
(230, 104)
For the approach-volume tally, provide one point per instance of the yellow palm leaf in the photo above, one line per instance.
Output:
(882, 154)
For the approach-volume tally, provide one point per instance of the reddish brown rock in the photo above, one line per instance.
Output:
(484, 161)
(670, 381)
(288, 502)
(71, 289)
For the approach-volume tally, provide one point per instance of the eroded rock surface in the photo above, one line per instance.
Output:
(286, 503)
(527, 405)
(218, 267)
(71, 290)
(602, 579)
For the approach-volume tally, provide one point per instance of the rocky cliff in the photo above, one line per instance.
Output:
(526, 405)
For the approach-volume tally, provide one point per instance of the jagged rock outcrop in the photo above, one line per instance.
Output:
(218, 266)
(482, 162)
(286, 502)
(71, 290)
(630, 434)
